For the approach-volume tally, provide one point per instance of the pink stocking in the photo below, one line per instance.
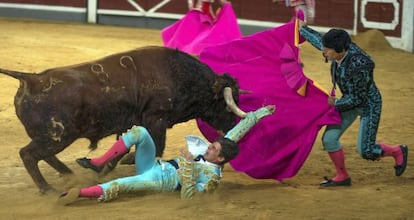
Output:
(119, 148)
(92, 191)
(338, 159)
(206, 8)
(394, 151)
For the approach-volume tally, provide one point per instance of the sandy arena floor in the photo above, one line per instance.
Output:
(32, 46)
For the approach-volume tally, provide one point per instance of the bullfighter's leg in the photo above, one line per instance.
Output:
(137, 135)
(156, 179)
(30, 158)
(145, 148)
(207, 9)
(370, 149)
(111, 164)
(399, 153)
(332, 145)
(148, 172)
(97, 164)
(157, 130)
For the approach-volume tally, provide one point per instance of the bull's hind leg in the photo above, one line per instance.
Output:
(58, 165)
(110, 166)
(31, 158)
(129, 158)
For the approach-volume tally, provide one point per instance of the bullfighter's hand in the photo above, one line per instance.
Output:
(186, 154)
(302, 23)
(271, 108)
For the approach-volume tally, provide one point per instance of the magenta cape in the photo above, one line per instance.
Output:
(195, 30)
(266, 63)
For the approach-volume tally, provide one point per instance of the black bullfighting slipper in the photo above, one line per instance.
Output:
(86, 163)
(330, 183)
(399, 169)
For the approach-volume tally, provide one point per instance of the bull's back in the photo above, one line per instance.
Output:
(108, 95)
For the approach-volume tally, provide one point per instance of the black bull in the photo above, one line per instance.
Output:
(155, 87)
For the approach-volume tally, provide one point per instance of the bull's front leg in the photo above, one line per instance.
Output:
(159, 136)
(30, 161)
(54, 162)
(158, 131)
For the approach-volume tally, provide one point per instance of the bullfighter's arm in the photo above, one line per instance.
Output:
(190, 171)
(249, 121)
(312, 36)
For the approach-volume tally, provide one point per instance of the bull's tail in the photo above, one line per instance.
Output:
(15, 74)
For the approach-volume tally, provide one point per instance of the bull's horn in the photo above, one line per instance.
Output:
(228, 96)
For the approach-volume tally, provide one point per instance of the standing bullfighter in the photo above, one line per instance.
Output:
(352, 71)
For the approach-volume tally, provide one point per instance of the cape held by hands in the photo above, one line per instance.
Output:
(195, 30)
(266, 63)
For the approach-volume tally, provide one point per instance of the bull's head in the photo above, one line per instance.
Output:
(223, 111)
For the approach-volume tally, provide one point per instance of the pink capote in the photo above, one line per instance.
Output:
(266, 63)
(195, 30)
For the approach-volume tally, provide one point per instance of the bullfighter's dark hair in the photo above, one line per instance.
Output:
(229, 149)
(336, 39)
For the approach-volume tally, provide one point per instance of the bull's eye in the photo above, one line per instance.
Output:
(228, 109)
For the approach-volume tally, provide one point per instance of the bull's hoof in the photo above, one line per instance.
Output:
(46, 190)
(128, 159)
